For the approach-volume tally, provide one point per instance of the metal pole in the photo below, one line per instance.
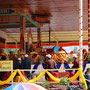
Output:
(16, 47)
(49, 34)
(12, 70)
(5, 46)
(88, 27)
(39, 36)
(81, 31)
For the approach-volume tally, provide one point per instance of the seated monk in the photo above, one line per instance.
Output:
(55, 57)
(32, 53)
(85, 55)
(12, 57)
(62, 56)
(35, 58)
(2, 53)
(22, 55)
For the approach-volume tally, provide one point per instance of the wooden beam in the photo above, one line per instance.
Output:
(49, 34)
(31, 21)
(22, 34)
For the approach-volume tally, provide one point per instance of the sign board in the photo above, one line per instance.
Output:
(8, 11)
(6, 65)
(47, 47)
(12, 11)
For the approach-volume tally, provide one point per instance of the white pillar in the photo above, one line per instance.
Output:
(81, 31)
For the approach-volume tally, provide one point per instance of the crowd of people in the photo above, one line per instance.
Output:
(53, 60)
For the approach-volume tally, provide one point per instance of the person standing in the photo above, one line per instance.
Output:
(75, 62)
(50, 64)
(26, 64)
(87, 76)
(17, 65)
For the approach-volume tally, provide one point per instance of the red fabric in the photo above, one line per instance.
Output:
(44, 54)
(13, 46)
(2, 45)
(54, 74)
(73, 83)
(61, 49)
(84, 50)
(5, 77)
(24, 74)
(63, 74)
(49, 50)
(85, 54)
(60, 45)
(72, 52)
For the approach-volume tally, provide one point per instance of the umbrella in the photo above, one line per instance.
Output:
(25, 86)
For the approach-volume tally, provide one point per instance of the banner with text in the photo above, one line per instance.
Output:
(6, 65)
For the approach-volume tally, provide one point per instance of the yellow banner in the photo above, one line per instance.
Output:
(6, 65)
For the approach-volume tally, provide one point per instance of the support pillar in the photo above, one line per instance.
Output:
(29, 39)
(39, 37)
(88, 26)
(22, 34)
(81, 31)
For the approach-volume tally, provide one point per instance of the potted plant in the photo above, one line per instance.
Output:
(64, 83)
(82, 85)
(47, 84)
